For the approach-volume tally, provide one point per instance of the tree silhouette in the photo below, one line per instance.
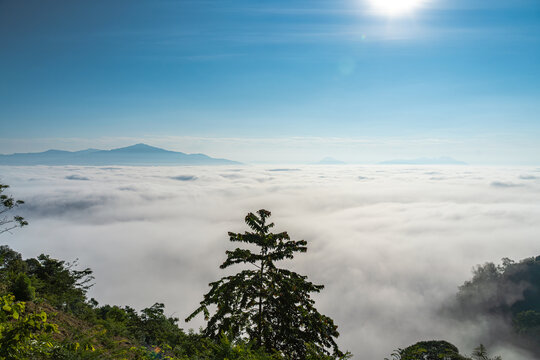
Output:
(268, 306)
(480, 353)
(7, 203)
(429, 350)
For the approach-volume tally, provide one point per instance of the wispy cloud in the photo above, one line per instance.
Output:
(76, 177)
(502, 184)
(184, 177)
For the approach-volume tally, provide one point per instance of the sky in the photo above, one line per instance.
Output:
(275, 81)
(282, 81)
(391, 244)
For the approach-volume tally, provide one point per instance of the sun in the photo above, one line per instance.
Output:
(395, 7)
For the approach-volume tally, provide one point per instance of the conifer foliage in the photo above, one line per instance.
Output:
(266, 305)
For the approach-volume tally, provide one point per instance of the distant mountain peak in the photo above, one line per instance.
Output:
(139, 148)
(142, 146)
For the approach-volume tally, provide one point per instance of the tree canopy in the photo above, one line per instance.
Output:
(439, 350)
(508, 293)
(431, 350)
(266, 305)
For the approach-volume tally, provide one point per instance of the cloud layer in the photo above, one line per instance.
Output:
(391, 243)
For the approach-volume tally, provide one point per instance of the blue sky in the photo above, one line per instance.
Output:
(449, 78)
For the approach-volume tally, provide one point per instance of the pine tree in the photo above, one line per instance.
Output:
(268, 306)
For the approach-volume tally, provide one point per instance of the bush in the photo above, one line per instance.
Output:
(22, 288)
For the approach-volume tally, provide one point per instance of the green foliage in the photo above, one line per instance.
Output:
(11, 265)
(29, 335)
(439, 350)
(22, 335)
(22, 288)
(430, 350)
(268, 306)
(113, 318)
(228, 349)
(8, 203)
(508, 288)
(508, 291)
(152, 327)
(528, 322)
(58, 282)
(223, 349)
(480, 353)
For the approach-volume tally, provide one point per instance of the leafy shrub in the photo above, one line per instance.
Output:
(22, 288)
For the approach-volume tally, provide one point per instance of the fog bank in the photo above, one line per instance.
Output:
(391, 243)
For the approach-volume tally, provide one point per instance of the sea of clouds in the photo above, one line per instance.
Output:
(391, 243)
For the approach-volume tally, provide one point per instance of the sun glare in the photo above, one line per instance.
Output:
(394, 7)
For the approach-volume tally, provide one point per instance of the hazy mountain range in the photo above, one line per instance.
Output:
(146, 155)
(139, 154)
